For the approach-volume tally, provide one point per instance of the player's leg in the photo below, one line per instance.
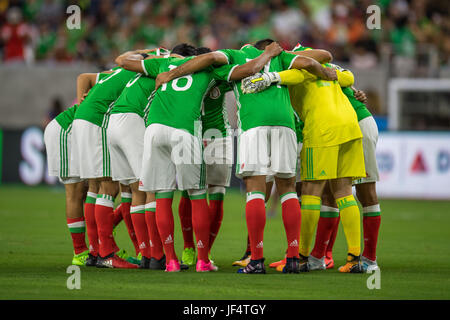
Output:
(158, 259)
(350, 164)
(329, 217)
(310, 206)
(139, 224)
(185, 214)
(367, 195)
(126, 204)
(158, 175)
(91, 224)
(75, 220)
(291, 214)
(255, 213)
(216, 195)
(350, 217)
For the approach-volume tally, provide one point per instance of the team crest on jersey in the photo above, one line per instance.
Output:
(214, 93)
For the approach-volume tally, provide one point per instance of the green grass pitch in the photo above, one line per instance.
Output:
(36, 249)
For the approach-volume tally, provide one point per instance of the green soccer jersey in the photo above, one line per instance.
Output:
(66, 117)
(96, 106)
(135, 97)
(360, 108)
(214, 114)
(298, 127)
(179, 102)
(270, 107)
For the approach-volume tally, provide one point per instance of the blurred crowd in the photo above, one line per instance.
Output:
(35, 30)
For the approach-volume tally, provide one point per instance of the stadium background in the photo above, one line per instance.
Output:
(404, 68)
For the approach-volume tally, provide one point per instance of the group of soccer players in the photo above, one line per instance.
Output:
(158, 123)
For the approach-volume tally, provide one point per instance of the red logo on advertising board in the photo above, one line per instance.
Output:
(418, 165)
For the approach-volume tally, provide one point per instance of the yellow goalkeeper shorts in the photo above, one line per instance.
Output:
(341, 161)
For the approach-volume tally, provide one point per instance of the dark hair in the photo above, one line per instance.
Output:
(262, 44)
(184, 49)
(202, 50)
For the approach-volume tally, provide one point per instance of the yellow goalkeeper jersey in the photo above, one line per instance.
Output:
(328, 115)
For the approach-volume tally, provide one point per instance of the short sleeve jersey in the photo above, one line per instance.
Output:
(328, 116)
(100, 98)
(214, 115)
(179, 102)
(267, 108)
(66, 117)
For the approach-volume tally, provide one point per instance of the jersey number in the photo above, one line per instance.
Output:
(175, 82)
(116, 72)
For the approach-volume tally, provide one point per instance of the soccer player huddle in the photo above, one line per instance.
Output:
(158, 123)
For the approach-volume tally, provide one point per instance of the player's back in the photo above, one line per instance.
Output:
(329, 119)
(214, 110)
(178, 103)
(102, 95)
(134, 98)
(267, 108)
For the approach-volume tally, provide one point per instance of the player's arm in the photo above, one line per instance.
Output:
(255, 65)
(321, 56)
(218, 58)
(359, 95)
(132, 60)
(314, 67)
(85, 82)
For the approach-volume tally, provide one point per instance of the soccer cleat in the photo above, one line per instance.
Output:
(277, 263)
(81, 258)
(113, 261)
(243, 261)
(202, 266)
(316, 264)
(210, 258)
(158, 264)
(173, 266)
(353, 265)
(145, 263)
(91, 261)
(125, 256)
(188, 256)
(254, 266)
(369, 265)
(292, 265)
(329, 262)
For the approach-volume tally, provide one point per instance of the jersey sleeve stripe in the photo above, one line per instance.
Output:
(143, 67)
(231, 71)
(97, 77)
(228, 61)
(292, 62)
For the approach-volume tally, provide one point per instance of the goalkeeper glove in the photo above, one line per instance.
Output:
(259, 82)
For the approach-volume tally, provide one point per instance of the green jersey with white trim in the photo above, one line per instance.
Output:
(179, 102)
(66, 117)
(214, 115)
(270, 107)
(360, 108)
(135, 97)
(298, 127)
(100, 98)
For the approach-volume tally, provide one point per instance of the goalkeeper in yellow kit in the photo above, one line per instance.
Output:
(332, 151)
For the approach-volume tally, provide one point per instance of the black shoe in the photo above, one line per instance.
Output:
(303, 261)
(103, 262)
(254, 266)
(184, 266)
(145, 263)
(91, 261)
(155, 264)
(292, 265)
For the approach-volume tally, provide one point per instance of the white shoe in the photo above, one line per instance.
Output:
(368, 265)
(316, 264)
